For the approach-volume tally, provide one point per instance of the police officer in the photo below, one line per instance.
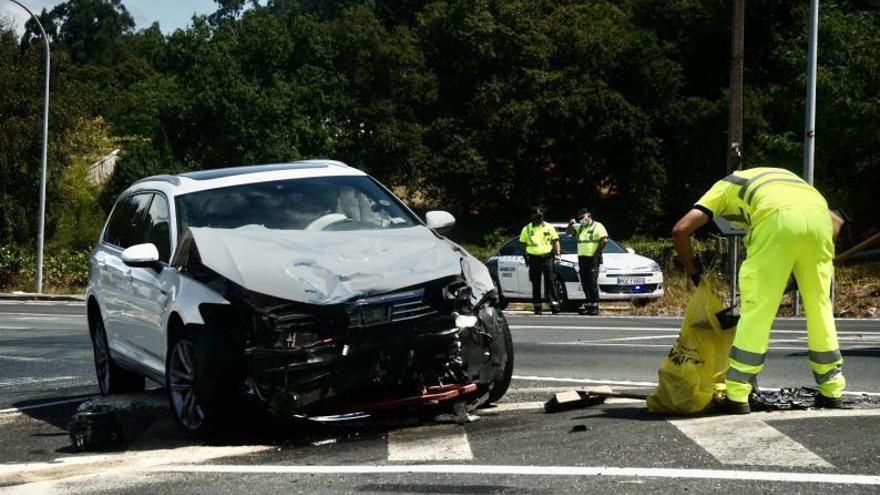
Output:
(790, 229)
(540, 244)
(591, 240)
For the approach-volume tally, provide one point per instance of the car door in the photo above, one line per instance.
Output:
(511, 267)
(126, 228)
(150, 287)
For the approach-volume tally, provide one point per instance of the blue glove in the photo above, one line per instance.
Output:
(695, 277)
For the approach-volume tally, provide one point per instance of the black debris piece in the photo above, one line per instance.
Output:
(94, 428)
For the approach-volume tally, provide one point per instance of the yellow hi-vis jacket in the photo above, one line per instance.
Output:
(746, 197)
(538, 239)
(589, 237)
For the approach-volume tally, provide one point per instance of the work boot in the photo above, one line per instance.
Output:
(537, 310)
(727, 406)
(825, 402)
(583, 311)
(555, 309)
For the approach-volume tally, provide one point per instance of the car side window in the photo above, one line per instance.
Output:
(127, 225)
(159, 227)
(512, 248)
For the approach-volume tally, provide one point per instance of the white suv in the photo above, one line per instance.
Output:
(305, 286)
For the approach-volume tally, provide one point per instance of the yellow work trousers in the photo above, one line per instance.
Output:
(787, 241)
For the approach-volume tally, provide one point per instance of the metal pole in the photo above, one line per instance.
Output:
(810, 121)
(735, 126)
(810, 118)
(42, 220)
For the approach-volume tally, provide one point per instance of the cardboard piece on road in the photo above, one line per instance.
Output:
(571, 399)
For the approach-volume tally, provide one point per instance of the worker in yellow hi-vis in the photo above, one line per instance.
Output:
(540, 243)
(789, 229)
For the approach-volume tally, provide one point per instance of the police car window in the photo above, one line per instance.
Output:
(512, 248)
(316, 203)
(568, 244)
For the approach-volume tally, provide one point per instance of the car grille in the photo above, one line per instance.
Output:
(389, 308)
(614, 274)
(628, 289)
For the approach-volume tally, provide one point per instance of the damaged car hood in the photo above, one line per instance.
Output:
(331, 267)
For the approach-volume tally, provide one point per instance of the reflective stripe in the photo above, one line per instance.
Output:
(735, 218)
(736, 375)
(746, 357)
(736, 180)
(588, 242)
(825, 357)
(749, 182)
(759, 186)
(827, 377)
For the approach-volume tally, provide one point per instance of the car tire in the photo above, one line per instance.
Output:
(502, 347)
(204, 382)
(112, 379)
(563, 295)
(502, 301)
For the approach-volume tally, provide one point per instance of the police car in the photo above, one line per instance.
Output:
(623, 274)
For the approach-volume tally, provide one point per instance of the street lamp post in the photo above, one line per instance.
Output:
(42, 221)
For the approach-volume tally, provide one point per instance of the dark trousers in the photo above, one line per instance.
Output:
(542, 267)
(588, 268)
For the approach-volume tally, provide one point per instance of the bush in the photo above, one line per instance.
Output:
(62, 272)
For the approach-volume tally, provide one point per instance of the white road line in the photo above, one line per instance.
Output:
(674, 330)
(43, 315)
(19, 410)
(28, 380)
(528, 313)
(583, 380)
(619, 339)
(24, 359)
(470, 469)
(623, 383)
(746, 440)
(429, 443)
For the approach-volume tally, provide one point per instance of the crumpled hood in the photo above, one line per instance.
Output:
(326, 267)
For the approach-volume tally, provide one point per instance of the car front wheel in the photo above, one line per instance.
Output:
(203, 380)
(112, 379)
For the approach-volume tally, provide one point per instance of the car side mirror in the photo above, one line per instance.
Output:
(630, 250)
(441, 221)
(142, 256)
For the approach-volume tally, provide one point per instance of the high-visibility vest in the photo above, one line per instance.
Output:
(746, 197)
(538, 239)
(589, 236)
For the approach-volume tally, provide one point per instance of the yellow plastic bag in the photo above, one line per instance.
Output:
(693, 372)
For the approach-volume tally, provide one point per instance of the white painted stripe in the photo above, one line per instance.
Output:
(25, 359)
(746, 440)
(583, 380)
(18, 410)
(622, 339)
(711, 474)
(28, 380)
(631, 384)
(43, 315)
(674, 330)
(446, 442)
(519, 313)
(666, 346)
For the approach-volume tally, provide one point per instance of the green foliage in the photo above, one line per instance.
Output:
(64, 272)
(480, 107)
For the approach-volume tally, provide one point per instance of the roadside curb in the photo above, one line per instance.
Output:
(29, 296)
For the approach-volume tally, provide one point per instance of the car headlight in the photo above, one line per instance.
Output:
(655, 267)
(602, 269)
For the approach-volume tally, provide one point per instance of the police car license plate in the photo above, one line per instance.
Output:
(631, 281)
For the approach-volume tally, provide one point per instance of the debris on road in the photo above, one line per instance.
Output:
(94, 428)
(572, 399)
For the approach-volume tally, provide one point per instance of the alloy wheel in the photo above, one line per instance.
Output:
(181, 382)
(102, 358)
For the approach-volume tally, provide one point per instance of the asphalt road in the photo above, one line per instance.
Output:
(45, 358)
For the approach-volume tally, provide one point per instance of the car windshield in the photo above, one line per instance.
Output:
(568, 244)
(316, 203)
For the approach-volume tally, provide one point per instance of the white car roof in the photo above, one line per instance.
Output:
(201, 180)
